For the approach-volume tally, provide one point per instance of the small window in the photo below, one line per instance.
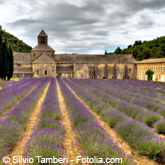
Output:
(112, 77)
(103, 77)
(45, 72)
(129, 69)
(37, 72)
(42, 40)
(34, 54)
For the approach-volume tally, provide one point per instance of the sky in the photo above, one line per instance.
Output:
(84, 26)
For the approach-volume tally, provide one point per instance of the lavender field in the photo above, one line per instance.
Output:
(67, 118)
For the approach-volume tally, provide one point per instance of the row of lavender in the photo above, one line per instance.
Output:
(150, 94)
(15, 85)
(152, 89)
(138, 112)
(48, 134)
(4, 84)
(139, 136)
(12, 125)
(16, 93)
(144, 85)
(93, 138)
(155, 94)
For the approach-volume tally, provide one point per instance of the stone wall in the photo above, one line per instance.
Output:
(44, 70)
(81, 71)
(23, 68)
(158, 68)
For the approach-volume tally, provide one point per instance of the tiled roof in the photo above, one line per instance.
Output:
(44, 59)
(66, 69)
(22, 58)
(42, 33)
(43, 47)
(154, 60)
(86, 59)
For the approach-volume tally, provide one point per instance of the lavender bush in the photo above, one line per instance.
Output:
(141, 137)
(107, 113)
(160, 126)
(15, 86)
(46, 140)
(133, 132)
(93, 138)
(13, 123)
(9, 100)
(50, 106)
(48, 134)
(135, 111)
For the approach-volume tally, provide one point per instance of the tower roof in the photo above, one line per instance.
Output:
(42, 47)
(42, 33)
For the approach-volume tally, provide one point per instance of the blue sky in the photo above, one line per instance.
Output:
(84, 26)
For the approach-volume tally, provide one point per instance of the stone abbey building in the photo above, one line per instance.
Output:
(43, 62)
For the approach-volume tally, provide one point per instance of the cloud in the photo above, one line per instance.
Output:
(96, 51)
(1, 1)
(86, 24)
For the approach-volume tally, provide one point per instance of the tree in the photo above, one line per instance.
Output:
(163, 49)
(139, 56)
(11, 64)
(149, 73)
(146, 53)
(6, 59)
(129, 46)
(106, 52)
(156, 52)
(118, 50)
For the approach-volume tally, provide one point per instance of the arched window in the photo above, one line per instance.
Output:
(34, 55)
(37, 72)
(45, 72)
(42, 40)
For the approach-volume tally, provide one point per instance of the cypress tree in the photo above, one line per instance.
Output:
(8, 63)
(4, 60)
(1, 56)
(11, 64)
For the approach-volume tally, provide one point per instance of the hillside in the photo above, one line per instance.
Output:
(146, 49)
(16, 44)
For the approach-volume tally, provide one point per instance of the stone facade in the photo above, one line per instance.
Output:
(43, 62)
(156, 65)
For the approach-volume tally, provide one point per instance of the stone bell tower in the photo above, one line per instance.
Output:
(42, 38)
(42, 47)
